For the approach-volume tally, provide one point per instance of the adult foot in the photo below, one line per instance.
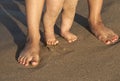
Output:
(30, 55)
(70, 37)
(103, 33)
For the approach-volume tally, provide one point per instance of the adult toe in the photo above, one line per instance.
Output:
(115, 38)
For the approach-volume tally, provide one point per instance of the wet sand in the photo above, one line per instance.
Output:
(85, 60)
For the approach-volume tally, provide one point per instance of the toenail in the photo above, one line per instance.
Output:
(108, 42)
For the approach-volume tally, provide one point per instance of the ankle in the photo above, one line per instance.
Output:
(94, 22)
(64, 31)
(33, 40)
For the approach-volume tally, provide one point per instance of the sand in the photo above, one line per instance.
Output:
(87, 59)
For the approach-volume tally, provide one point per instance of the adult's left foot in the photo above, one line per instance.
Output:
(30, 55)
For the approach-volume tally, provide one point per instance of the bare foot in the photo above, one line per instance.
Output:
(104, 34)
(70, 37)
(50, 39)
(30, 55)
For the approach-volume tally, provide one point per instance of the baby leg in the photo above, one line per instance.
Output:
(30, 53)
(103, 33)
(53, 8)
(68, 14)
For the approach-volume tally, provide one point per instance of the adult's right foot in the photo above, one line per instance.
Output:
(103, 33)
(30, 55)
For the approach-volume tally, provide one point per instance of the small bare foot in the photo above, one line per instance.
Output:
(104, 34)
(50, 39)
(70, 37)
(30, 55)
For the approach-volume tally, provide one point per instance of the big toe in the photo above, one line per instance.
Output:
(105, 40)
(34, 63)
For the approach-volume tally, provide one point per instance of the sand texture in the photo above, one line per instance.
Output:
(87, 59)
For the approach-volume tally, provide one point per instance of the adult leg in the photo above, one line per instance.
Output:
(103, 33)
(53, 8)
(30, 53)
(68, 14)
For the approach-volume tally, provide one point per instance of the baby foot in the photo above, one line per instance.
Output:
(70, 37)
(30, 55)
(50, 39)
(104, 34)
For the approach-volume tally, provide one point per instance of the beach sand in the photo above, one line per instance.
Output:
(87, 59)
